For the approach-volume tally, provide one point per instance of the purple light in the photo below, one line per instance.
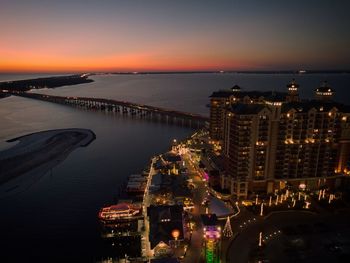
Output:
(212, 232)
(205, 176)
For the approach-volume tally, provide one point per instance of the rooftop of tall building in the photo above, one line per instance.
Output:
(221, 94)
(306, 105)
(275, 96)
(325, 88)
(300, 106)
(243, 108)
(254, 94)
(293, 84)
(236, 88)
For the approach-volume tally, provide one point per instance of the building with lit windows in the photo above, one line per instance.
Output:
(221, 100)
(218, 102)
(166, 228)
(273, 139)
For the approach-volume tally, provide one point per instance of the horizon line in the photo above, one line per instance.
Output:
(290, 71)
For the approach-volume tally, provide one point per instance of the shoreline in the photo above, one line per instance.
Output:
(46, 82)
(55, 130)
(36, 150)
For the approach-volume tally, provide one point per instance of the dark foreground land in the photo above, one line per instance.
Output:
(50, 82)
(293, 236)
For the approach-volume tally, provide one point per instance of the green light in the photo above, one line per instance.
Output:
(210, 255)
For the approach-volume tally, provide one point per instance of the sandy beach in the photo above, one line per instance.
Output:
(40, 149)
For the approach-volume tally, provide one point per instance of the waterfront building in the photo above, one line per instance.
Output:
(166, 228)
(136, 184)
(218, 101)
(170, 189)
(221, 100)
(274, 139)
(171, 158)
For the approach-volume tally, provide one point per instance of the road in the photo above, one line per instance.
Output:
(199, 193)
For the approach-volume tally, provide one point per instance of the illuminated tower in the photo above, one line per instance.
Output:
(324, 92)
(293, 91)
(236, 88)
(212, 233)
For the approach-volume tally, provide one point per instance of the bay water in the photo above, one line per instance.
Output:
(55, 217)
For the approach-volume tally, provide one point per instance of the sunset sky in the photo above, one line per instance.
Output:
(131, 35)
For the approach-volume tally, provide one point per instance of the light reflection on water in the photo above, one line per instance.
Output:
(58, 212)
(190, 92)
(56, 216)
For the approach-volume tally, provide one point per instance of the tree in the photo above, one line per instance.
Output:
(227, 229)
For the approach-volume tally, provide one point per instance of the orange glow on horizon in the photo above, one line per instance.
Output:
(49, 61)
(67, 36)
(137, 62)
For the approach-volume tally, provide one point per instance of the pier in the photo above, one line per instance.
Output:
(125, 108)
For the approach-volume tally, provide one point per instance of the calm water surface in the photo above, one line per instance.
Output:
(189, 92)
(55, 217)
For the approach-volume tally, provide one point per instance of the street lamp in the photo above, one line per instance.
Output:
(175, 234)
(260, 239)
(331, 197)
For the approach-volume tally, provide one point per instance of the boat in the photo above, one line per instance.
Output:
(122, 211)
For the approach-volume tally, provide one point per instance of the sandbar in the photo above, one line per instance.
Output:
(40, 149)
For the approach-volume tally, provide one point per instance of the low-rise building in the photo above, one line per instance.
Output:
(166, 228)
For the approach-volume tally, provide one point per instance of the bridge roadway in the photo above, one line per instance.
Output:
(125, 108)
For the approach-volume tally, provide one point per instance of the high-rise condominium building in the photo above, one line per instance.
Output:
(272, 139)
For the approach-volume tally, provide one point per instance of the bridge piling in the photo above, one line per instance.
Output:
(125, 108)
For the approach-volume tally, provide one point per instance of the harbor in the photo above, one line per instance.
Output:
(176, 209)
(165, 210)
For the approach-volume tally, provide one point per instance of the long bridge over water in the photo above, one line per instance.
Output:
(126, 108)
